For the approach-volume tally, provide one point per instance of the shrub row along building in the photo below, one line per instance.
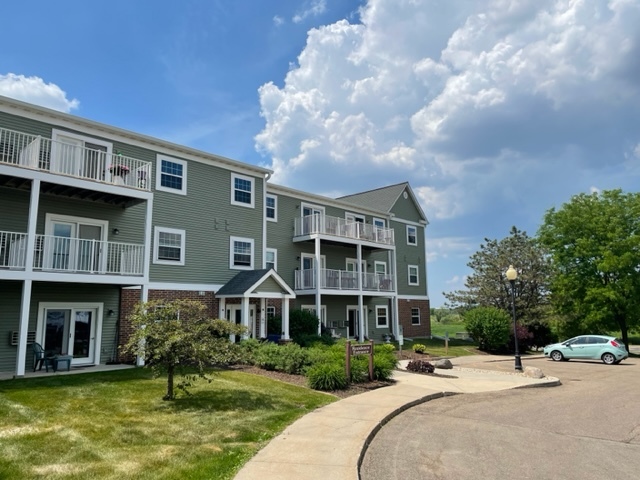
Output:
(94, 218)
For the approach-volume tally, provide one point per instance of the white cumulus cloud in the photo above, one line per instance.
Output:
(35, 90)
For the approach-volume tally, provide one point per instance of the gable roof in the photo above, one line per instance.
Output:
(244, 283)
(383, 198)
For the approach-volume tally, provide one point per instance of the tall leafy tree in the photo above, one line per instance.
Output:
(177, 337)
(595, 244)
(487, 286)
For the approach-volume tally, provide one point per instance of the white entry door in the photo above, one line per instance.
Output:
(234, 314)
(71, 331)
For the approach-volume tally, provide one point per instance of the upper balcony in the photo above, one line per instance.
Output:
(341, 228)
(81, 162)
(72, 255)
(343, 280)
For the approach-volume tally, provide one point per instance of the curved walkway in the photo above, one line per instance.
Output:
(330, 441)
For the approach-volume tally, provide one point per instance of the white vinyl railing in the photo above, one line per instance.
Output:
(75, 255)
(340, 227)
(12, 250)
(32, 151)
(343, 280)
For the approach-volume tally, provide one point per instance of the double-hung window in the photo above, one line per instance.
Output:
(271, 311)
(382, 316)
(271, 258)
(415, 316)
(171, 175)
(413, 275)
(412, 235)
(242, 190)
(271, 208)
(169, 246)
(241, 253)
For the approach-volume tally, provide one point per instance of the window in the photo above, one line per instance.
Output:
(241, 190)
(412, 235)
(415, 316)
(379, 223)
(381, 268)
(171, 175)
(271, 311)
(169, 246)
(413, 275)
(312, 309)
(271, 258)
(241, 257)
(381, 316)
(73, 154)
(272, 208)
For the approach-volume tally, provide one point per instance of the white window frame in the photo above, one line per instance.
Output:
(270, 311)
(417, 282)
(413, 316)
(156, 239)
(410, 227)
(159, 159)
(379, 220)
(323, 261)
(232, 241)
(233, 190)
(386, 316)
(56, 134)
(323, 312)
(378, 263)
(354, 217)
(275, 258)
(275, 208)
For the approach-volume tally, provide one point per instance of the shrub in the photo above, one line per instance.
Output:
(248, 349)
(541, 334)
(311, 340)
(327, 376)
(383, 366)
(302, 322)
(419, 348)
(288, 358)
(420, 366)
(382, 348)
(489, 326)
(274, 326)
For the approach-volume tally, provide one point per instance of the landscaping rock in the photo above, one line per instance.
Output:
(533, 372)
(445, 364)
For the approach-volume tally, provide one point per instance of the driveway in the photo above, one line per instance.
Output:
(587, 428)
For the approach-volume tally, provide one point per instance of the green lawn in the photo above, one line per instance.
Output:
(440, 329)
(436, 348)
(115, 425)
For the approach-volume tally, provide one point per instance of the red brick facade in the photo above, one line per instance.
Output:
(423, 330)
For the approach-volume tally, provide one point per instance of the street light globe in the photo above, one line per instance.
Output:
(511, 273)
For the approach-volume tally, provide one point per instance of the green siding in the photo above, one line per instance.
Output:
(270, 286)
(405, 209)
(10, 295)
(209, 219)
(410, 255)
(14, 214)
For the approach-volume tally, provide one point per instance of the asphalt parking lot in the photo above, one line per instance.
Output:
(586, 429)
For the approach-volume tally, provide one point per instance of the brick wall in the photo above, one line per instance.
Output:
(404, 312)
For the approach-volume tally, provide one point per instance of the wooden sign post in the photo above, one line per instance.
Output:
(359, 349)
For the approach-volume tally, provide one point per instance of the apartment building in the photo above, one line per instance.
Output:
(95, 218)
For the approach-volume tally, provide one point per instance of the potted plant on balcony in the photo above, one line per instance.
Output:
(119, 173)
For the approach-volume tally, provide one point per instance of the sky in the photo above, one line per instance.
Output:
(494, 111)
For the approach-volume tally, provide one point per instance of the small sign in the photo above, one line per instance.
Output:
(400, 339)
(364, 349)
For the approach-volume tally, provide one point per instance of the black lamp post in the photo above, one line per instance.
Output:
(511, 276)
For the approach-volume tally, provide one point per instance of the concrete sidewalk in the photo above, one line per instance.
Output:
(329, 443)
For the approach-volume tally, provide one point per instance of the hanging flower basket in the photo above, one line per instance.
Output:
(119, 170)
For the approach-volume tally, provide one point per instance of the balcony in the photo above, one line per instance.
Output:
(341, 228)
(43, 154)
(343, 280)
(72, 255)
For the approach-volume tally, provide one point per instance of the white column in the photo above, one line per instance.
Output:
(395, 325)
(144, 297)
(23, 326)
(394, 300)
(222, 314)
(285, 319)
(147, 238)
(360, 319)
(318, 296)
(245, 316)
(263, 318)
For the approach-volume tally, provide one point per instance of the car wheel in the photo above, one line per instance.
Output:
(556, 356)
(608, 358)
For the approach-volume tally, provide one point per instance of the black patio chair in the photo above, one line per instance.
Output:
(40, 358)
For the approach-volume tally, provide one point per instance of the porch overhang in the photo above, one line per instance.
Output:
(264, 283)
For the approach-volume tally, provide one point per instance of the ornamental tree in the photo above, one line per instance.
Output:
(178, 337)
(594, 241)
(487, 285)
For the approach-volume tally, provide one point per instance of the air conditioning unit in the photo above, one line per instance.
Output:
(31, 337)
(334, 324)
(345, 323)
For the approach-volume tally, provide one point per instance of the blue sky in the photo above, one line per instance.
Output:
(495, 111)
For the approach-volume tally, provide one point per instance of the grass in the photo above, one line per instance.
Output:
(440, 329)
(436, 348)
(115, 425)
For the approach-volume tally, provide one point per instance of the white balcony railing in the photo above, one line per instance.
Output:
(340, 227)
(36, 152)
(72, 255)
(343, 280)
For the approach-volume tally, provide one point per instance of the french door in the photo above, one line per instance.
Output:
(71, 331)
(74, 244)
